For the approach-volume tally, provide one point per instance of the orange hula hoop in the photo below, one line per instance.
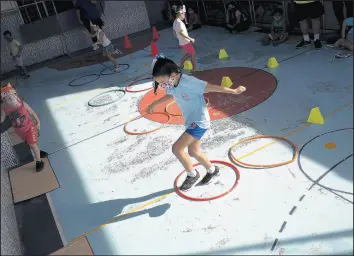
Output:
(141, 133)
(296, 152)
(169, 104)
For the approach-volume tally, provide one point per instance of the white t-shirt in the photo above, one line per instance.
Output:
(179, 26)
(105, 40)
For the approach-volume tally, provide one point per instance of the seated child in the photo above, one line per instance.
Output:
(236, 21)
(20, 114)
(346, 41)
(108, 47)
(194, 20)
(15, 49)
(278, 33)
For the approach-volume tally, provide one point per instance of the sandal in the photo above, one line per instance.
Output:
(115, 69)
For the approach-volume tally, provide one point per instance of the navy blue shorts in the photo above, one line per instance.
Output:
(195, 131)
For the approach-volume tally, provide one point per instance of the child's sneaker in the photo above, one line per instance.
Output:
(190, 182)
(209, 176)
(303, 44)
(39, 166)
(43, 154)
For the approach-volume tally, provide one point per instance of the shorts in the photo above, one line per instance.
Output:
(188, 49)
(17, 61)
(109, 48)
(312, 10)
(196, 131)
(30, 136)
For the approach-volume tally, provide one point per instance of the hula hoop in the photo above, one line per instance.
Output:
(169, 104)
(131, 84)
(112, 73)
(96, 77)
(141, 133)
(104, 104)
(296, 152)
(233, 167)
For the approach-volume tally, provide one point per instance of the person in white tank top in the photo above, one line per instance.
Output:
(108, 47)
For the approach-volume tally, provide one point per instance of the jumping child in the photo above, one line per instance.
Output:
(278, 32)
(108, 47)
(188, 92)
(20, 114)
(180, 31)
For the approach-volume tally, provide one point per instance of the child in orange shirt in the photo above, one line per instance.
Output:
(20, 114)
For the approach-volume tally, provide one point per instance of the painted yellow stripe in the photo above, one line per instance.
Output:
(165, 195)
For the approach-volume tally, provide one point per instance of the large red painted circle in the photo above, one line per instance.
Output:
(260, 86)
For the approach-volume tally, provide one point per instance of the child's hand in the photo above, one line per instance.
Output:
(240, 89)
(151, 108)
(192, 40)
(38, 126)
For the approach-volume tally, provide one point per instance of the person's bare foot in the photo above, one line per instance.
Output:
(197, 70)
(115, 69)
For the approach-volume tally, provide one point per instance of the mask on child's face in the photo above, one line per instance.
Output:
(169, 84)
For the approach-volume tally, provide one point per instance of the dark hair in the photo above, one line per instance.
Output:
(278, 10)
(164, 67)
(99, 23)
(176, 10)
(231, 3)
(7, 33)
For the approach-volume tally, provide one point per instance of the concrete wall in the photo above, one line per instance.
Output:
(10, 238)
(121, 17)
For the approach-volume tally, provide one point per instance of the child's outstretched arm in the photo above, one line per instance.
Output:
(162, 100)
(217, 88)
(32, 113)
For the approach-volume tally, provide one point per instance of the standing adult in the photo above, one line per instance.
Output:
(342, 10)
(313, 10)
(88, 14)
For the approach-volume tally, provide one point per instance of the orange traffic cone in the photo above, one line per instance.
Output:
(127, 43)
(155, 35)
(154, 50)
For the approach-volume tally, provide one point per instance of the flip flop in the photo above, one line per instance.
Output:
(115, 69)
(342, 55)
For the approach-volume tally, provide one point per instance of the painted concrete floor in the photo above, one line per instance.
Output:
(104, 173)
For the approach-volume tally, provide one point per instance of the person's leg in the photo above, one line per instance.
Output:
(114, 61)
(348, 45)
(32, 141)
(302, 13)
(316, 12)
(184, 58)
(178, 150)
(195, 152)
(282, 38)
(338, 12)
(266, 39)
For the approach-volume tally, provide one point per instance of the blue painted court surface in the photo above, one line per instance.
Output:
(305, 207)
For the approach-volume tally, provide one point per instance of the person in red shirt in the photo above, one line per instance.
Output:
(20, 114)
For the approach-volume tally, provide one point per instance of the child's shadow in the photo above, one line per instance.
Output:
(82, 218)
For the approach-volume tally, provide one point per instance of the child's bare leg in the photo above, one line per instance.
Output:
(282, 38)
(195, 152)
(194, 63)
(348, 45)
(184, 58)
(113, 60)
(24, 69)
(266, 40)
(178, 150)
(316, 27)
(36, 152)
